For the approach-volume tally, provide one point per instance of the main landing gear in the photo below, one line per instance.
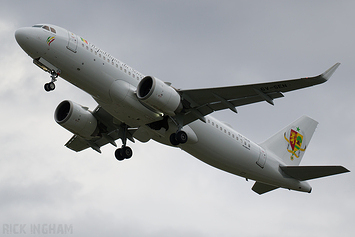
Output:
(51, 86)
(125, 152)
(180, 137)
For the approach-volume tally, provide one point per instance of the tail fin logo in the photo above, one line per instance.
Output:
(295, 141)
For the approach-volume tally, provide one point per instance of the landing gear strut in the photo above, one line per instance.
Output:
(180, 137)
(51, 86)
(125, 152)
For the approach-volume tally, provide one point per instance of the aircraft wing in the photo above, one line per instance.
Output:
(200, 102)
(113, 131)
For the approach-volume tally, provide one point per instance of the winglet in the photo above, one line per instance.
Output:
(327, 74)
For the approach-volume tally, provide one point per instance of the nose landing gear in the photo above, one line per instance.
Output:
(51, 86)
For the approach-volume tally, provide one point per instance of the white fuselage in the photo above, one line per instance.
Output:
(112, 84)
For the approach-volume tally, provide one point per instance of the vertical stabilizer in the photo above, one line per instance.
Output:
(290, 143)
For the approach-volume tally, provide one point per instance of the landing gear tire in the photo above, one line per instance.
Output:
(173, 140)
(123, 153)
(127, 152)
(49, 86)
(181, 137)
(178, 138)
(118, 154)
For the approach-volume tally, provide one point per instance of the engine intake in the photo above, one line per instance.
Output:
(77, 119)
(162, 97)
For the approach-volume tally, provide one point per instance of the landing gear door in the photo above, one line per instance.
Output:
(72, 42)
(262, 158)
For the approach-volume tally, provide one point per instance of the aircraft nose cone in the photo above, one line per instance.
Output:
(29, 41)
(22, 36)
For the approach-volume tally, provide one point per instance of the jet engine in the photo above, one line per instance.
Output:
(76, 118)
(158, 95)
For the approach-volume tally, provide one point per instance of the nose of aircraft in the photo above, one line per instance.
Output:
(29, 40)
(22, 36)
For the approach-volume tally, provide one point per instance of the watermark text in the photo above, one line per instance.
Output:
(37, 229)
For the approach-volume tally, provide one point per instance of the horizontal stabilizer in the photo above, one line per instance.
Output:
(312, 172)
(261, 188)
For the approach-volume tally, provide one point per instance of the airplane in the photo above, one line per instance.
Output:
(133, 106)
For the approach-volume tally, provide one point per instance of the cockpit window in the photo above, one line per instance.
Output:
(46, 28)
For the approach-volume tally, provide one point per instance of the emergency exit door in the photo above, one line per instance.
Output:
(262, 158)
(72, 42)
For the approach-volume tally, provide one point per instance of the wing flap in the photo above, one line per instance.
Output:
(111, 132)
(218, 105)
(303, 173)
(77, 143)
(261, 188)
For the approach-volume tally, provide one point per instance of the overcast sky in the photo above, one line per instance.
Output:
(163, 191)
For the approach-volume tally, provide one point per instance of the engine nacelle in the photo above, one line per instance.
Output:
(162, 97)
(76, 119)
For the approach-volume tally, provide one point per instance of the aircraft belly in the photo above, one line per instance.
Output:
(221, 151)
(81, 70)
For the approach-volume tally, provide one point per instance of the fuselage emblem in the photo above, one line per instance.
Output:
(84, 40)
(295, 142)
(50, 40)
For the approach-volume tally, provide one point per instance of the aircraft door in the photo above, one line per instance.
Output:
(72, 42)
(262, 158)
